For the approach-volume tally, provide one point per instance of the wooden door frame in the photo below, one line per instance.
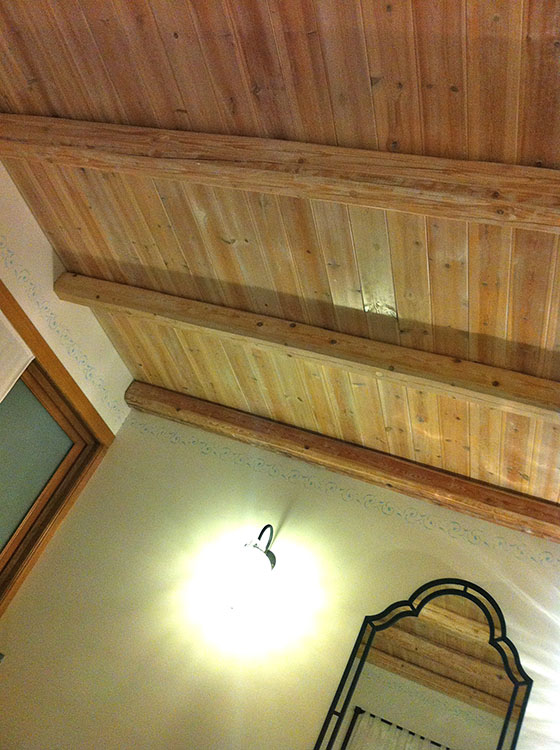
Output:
(51, 383)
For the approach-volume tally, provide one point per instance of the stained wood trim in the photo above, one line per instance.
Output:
(501, 506)
(512, 391)
(51, 364)
(484, 192)
(53, 386)
(61, 501)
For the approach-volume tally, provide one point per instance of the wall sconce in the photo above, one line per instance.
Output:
(235, 602)
(249, 570)
(266, 551)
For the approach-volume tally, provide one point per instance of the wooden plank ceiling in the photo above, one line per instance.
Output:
(457, 79)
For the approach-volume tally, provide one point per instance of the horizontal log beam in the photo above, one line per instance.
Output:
(489, 503)
(470, 696)
(471, 381)
(456, 625)
(527, 197)
(447, 662)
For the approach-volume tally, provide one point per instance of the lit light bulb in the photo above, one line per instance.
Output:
(240, 606)
(248, 576)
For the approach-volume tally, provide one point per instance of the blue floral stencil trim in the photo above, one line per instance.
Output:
(367, 500)
(72, 349)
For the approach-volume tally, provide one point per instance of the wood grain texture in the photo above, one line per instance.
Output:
(473, 498)
(429, 84)
(461, 379)
(477, 191)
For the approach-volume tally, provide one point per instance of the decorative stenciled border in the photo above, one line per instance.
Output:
(368, 500)
(397, 507)
(71, 347)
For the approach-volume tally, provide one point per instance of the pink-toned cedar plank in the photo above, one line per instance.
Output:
(104, 195)
(175, 201)
(340, 394)
(517, 447)
(545, 462)
(397, 418)
(494, 41)
(335, 236)
(551, 353)
(212, 357)
(326, 415)
(273, 98)
(533, 259)
(223, 61)
(206, 207)
(18, 86)
(342, 38)
(241, 363)
(305, 248)
(368, 412)
(391, 47)
(303, 67)
(440, 42)
(455, 435)
(104, 101)
(25, 177)
(295, 391)
(539, 123)
(154, 344)
(425, 426)
(137, 206)
(277, 253)
(84, 232)
(239, 240)
(141, 192)
(116, 53)
(373, 258)
(195, 368)
(409, 257)
(489, 281)
(153, 70)
(182, 46)
(50, 74)
(264, 364)
(486, 429)
(448, 268)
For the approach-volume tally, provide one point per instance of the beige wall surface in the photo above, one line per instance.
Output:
(28, 267)
(106, 645)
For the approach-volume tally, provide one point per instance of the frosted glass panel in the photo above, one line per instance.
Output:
(32, 445)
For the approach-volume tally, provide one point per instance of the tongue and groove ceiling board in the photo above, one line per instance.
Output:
(476, 80)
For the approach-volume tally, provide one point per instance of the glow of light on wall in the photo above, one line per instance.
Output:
(250, 613)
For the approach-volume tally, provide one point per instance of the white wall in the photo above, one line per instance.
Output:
(28, 267)
(99, 653)
(426, 712)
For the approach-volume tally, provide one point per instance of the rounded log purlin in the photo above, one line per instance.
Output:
(482, 192)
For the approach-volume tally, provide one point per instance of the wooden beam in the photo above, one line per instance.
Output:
(456, 625)
(520, 196)
(470, 696)
(467, 669)
(471, 381)
(489, 503)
